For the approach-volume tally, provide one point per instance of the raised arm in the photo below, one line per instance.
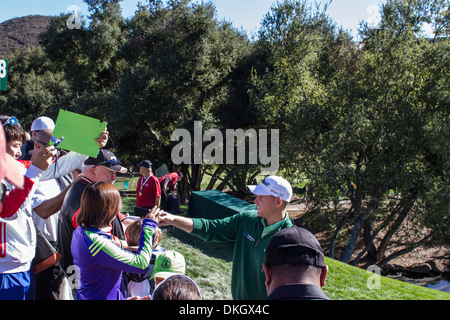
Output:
(179, 222)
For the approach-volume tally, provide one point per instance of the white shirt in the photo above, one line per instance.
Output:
(44, 191)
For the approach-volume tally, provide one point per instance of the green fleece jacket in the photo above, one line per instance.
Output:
(245, 228)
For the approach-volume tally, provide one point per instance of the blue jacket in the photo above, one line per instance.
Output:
(99, 262)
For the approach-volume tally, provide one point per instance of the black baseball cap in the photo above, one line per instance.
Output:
(294, 245)
(108, 159)
(145, 163)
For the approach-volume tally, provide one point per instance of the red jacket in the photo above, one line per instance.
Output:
(147, 190)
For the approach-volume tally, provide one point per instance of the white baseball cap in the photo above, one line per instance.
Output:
(274, 186)
(42, 123)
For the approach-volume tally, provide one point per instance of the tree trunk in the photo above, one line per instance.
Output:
(196, 176)
(405, 207)
(373, 236)
(408, 249)
(368, 236)
(338, 229)
(215, 176)
(360, 219)
(357, 226)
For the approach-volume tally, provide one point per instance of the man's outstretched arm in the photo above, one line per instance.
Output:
(179, 222)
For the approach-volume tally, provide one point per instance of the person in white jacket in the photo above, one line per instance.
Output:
(17, 230)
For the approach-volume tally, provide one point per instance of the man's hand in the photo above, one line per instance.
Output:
(102, 139)
(44, 158)
(165, 219)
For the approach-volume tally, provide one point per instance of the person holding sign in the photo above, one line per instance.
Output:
(148, 190)
(39, 124)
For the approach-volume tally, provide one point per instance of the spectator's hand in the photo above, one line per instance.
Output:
(164, 218)
(147, 297)
(44, 158)
(153, 214)
(102, 139)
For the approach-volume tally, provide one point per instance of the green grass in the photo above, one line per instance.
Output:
(345, 282)
(209, 264)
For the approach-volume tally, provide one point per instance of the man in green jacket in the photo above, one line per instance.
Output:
(251, 231)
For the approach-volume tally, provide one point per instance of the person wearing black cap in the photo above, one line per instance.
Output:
(148, 190)
(294, 266)
(102, 168)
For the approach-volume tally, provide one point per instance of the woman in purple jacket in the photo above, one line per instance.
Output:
(98, 260)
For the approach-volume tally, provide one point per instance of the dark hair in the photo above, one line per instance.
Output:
(13, 131)
(296, 271)
(100, 202)
(177, 287)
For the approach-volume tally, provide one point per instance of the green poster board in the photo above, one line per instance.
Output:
(79, 132)
(3, 73)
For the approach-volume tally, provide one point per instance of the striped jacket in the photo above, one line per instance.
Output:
(99, 261)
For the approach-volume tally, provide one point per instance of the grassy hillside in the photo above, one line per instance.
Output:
(346, 282)
(20, 33)
(209, 264)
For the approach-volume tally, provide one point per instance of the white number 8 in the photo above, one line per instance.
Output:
(2, 69)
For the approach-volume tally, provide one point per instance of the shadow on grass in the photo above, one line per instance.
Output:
(220, 250)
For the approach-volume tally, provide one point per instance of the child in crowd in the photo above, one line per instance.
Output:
(168, 264)
(139, 284)
(177, 287)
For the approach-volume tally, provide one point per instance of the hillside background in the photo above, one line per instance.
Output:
(19, 33)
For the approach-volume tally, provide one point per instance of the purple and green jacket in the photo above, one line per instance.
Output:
(99, 261)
